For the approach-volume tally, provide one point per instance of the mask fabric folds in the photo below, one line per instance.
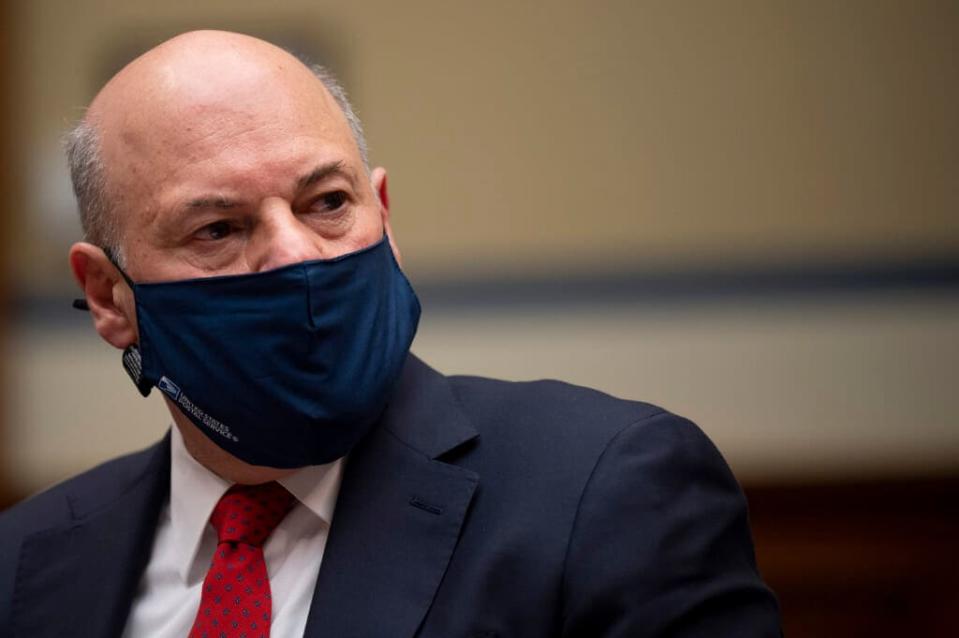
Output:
(283, 368)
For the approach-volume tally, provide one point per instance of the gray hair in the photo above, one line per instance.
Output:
(88, 173)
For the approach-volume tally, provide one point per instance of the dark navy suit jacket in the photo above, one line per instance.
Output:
(475, 509)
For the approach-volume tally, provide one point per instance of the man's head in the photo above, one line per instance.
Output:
(214, 154)
(82, 145)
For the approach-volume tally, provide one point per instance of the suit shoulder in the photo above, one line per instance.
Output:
(548, 408)
(55, 505)
(67, 504)
(661, 541)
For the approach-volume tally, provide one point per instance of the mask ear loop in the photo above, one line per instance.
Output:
(116, 264)
(131, 358)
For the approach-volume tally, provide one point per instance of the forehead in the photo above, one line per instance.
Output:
(175, 130)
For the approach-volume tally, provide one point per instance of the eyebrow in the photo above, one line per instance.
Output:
(318, 174)
(321, 172)
(212, 201)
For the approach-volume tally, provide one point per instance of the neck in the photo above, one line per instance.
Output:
(220, 462)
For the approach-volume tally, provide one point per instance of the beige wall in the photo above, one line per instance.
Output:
(532, 138)
(537, 136)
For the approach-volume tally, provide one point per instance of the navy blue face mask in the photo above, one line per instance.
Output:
(284, 368)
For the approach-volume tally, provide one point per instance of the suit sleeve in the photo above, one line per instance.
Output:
(661, 543)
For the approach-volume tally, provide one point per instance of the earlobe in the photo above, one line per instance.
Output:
(109, 298)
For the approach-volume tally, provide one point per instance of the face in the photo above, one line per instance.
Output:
(252, 184)
(255, 170)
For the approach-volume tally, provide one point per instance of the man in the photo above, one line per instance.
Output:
(240, 252)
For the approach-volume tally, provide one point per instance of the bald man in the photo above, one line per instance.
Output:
(318, 479)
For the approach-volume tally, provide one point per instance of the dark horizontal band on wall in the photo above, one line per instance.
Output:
(719, 284)
(768, 283)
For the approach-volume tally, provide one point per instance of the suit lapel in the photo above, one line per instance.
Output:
(398, 516)
(81, 578)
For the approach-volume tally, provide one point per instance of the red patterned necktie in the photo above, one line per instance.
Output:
(236, 599)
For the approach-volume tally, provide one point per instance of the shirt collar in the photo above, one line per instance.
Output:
(195, 490)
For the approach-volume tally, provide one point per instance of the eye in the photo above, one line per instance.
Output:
(332, 201)
(215, 231)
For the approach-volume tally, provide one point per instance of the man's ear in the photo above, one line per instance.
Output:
(378, 179)
(108, 296)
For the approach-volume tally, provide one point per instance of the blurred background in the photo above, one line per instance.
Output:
(745, 211)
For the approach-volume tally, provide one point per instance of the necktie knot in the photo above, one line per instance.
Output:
(249, 513)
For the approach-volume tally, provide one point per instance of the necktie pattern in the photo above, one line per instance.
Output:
(236, 599)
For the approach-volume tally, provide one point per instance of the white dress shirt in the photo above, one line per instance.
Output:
(168, 595)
